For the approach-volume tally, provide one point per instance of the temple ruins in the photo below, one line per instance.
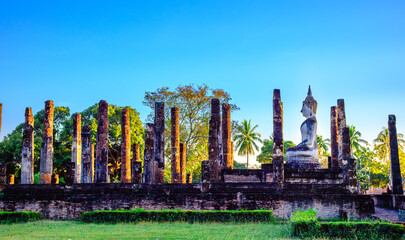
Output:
(298, 181)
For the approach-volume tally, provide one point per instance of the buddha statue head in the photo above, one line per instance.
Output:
(309, 105)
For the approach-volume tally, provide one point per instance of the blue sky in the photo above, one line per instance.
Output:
(79, 52)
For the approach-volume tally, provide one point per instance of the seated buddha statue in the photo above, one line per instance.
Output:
(305, 154)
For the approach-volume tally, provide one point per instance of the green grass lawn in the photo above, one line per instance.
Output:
(76, 230)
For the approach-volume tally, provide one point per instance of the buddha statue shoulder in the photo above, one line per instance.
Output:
(305, 154)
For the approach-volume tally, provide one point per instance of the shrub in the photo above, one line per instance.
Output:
(15, 217)
(177, 216)
(304, 224)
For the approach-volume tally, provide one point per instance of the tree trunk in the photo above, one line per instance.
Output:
(247, 163)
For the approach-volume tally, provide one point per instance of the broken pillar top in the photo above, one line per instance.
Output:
(276, 94)
(215, 106)
(391, 119)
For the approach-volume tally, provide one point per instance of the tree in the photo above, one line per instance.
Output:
(323, 149)
(355, 140)
(246, 139)
(194, 104)
(266, 154)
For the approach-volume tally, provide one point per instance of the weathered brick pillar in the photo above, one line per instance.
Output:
(348, 162)
(55, 179)
(101, 174)
(329, 162)
(70, 173)
(3, 178)
(215, 121)
(175, 146)
(189, 178)
(27, 161)
(46, 158)
(334, 144)
(1, 109)
(232, 155)
(226, 136)
(87, 156)
(136, 164)
(205, 171)
(396, 178)
(341, 124)
(183, 162)
(77, 146)
(148, 154)
(125, 147)
(159, 142)
(11, 179)
(278, 147)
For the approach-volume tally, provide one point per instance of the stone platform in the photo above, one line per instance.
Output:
(69, 201)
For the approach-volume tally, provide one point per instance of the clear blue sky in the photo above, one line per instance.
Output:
(79, 52)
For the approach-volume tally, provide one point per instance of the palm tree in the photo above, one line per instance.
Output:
(382, 144)
(323, 149)
(355, 140)
(245, 140)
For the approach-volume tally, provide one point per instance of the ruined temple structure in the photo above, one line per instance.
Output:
(280, 186)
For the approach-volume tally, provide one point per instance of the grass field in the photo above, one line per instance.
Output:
(76, 230)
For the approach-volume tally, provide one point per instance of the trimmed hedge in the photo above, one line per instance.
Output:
(308, 227)
(15, 217)
(140, 215)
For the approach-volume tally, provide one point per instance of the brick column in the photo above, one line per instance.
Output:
(46, 158)
(101, 174)
(232, 155)
(183, 162)
(278, 147)
(215, 121)
(70, 173)
(159, 142)
(396, 178)
(87, 156)
(27, 161)
(11, 179)
(3, 178)
(125, 147)
(334, 144)
(77, 146)
(175, 146)
(148, 154)
(189, 178)
(341, 123)
(136, 164)
(226, 136)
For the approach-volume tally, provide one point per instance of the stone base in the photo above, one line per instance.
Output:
(305, 162)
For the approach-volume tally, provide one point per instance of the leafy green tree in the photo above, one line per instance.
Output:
(323, 147)
(245, 140)
(194, 103)
(266, 154)
(355, 140)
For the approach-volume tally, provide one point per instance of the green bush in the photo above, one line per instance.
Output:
(177, 216)
(15, 217)
(304, 225)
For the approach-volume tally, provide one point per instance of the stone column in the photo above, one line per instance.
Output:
(101, 175)
(3, 178)
(27, 161)
(226, 136)
(232, 154)
(396, 178)
(183, 162)
(46, 158)
(77, 146)
(125, 147)
(11, 179)
(70, 173)
(189, 179)
(136, 164)
(1, 109)
(87, 156)
(175, 146)
(334, 137)
(341, 123)
(205, 171)
(278, 147)
(159, 142)
(215, 121)
(148, 154)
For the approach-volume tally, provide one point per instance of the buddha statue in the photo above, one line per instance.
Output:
(305, 154)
